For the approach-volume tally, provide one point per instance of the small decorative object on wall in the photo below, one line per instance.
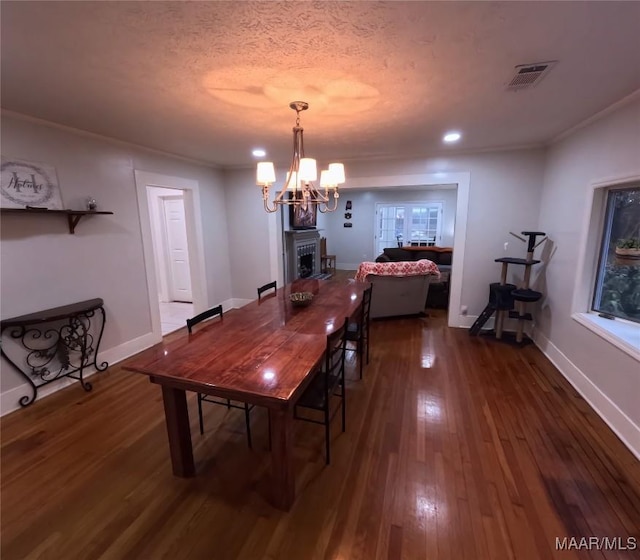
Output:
(24, 183)
(348, 206)
(347, 215)
(348, 224)
(92, 204)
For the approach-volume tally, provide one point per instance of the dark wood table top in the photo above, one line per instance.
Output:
(260, 353)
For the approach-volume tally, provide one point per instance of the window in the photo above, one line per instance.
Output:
(617, 285)
(413, 223)
(424, 224)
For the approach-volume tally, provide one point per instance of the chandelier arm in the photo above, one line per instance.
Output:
(328, 208)
(269, 209)
(265, 199)
(301, 143)
(318, 196)
(279, 197)
(294, 171)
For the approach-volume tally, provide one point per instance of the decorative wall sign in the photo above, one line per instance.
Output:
(348, 205)
(347, 215)
(24, 183)
(348, 224)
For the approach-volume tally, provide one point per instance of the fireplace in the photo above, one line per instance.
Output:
(302, 254)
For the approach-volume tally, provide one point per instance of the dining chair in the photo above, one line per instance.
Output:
(327, 262)
(358, 330)
(213, 312)
(266, 287)
(204, 315)
(324, 385)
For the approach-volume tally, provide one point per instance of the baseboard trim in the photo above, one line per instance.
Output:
(236, 303)
(626, 430)
(227, 304)
(510, 325)
(9, 400)
(347, 266)
(466, 322)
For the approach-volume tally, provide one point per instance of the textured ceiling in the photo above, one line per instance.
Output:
(212, 80)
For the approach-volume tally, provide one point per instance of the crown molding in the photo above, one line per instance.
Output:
(109, 139)
(414, 155)
(597, 116)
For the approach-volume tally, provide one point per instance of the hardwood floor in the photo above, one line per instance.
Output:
(456, 447)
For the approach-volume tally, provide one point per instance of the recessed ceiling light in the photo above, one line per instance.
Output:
(451, 137)
(259, 152)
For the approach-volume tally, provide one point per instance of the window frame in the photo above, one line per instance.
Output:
(622, 333)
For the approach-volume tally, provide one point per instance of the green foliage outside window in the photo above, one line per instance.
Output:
(618, 281)
(621, 292)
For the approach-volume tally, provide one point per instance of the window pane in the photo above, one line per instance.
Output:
(617, 289)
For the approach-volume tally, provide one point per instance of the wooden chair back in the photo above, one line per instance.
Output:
(266, 287)
(334, 356)
(204, 315)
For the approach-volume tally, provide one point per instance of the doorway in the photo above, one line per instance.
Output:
(171, 253)
(171, 223)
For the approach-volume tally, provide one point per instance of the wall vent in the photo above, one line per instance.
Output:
(529, 75)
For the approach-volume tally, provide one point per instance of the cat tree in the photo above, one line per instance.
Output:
(504, 297)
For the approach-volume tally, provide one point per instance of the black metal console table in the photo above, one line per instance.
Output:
(55, 343)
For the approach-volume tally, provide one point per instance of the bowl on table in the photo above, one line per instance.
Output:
(301, 299)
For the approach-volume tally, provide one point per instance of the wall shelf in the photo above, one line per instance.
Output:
(73, 216)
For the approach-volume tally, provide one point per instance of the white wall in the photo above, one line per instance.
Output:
(608, 147)
(255, 245)
(44, 266)
(355, 244)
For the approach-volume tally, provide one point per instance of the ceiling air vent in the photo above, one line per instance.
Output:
(529, 75)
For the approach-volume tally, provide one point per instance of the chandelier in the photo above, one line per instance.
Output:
(298, 188)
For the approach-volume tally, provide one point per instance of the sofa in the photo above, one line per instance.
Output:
(438, 296)
(399, 289)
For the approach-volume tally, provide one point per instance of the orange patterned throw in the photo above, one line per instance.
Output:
(399, 268)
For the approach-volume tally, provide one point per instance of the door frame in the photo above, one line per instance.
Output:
(193, 218)
(462, 181)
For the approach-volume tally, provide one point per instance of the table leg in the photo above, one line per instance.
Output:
(284, 483)
(179, 432)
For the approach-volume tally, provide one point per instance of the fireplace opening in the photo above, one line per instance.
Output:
(306, 260)
(306, 266)
(302, 254)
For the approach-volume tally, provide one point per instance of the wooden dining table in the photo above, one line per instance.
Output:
(263, 354)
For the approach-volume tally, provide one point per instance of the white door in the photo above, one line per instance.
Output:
(389, 226)
(178, 254)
